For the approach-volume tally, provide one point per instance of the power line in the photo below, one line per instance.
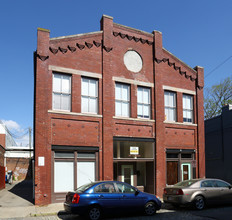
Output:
(217, 66)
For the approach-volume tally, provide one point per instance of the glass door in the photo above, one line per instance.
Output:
(186, 171)
(127, 174)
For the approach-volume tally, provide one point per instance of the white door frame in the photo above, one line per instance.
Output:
(189, 170)
(131, 167)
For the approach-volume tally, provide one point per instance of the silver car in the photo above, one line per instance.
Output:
(198, 192)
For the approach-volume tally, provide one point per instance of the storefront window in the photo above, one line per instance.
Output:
(125, 149)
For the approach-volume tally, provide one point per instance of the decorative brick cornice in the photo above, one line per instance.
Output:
(107, 49)
(41, 57)
(177, 68)
(79, 46)
(136, 39)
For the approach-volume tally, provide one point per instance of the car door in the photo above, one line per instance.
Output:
(209, 191)
(130, 199)
(224, 191)
(107, 196)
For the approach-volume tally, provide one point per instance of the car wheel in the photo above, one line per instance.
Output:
(150, 208)
(94, 213)
(199, 203)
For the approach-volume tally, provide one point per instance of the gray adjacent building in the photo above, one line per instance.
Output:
(218, 145)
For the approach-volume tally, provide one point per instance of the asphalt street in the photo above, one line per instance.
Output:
(16, 200)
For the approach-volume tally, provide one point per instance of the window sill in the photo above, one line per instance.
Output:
(133, 119)
(74, 113)
(180, 123)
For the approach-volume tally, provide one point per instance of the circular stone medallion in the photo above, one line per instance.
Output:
(133, 61)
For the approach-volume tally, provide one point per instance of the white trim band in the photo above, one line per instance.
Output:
(75, 113)
(179, 90)
(131, 81)
(73, 71)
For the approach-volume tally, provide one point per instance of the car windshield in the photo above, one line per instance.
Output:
(186, 183)
(84, 187)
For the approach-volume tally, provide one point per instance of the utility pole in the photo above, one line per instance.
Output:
(30, 140)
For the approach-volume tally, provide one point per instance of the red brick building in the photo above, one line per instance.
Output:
(114, 104)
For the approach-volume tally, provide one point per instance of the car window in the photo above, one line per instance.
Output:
(124, 188)
(84, 187)
(186, 183)
(219, 183)
(207, 183)
(105, 188)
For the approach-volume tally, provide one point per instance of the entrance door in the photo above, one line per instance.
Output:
(172, 172)
(127, 174)
(186, 171)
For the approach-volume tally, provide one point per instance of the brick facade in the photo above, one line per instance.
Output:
(100, 55)
(2, 167)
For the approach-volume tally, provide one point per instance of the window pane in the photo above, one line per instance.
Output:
(84, 104)
(125, 109)
(125, 93)
(85, 173)
(140, 95)
(92, 88)
(65, 102)
(171, 99)
(118, 109)
(64, 155)
(140, 110)
(63, 177)
(118, 92)
(86, 155)
(146, 109)
(93, 105)
(166, 98)
(66, 84)
(56, 101)
(84, 87)
(146, 96)
(56, 83)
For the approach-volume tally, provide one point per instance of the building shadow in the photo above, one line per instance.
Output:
(24, 188)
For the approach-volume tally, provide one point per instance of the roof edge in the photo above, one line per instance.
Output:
(186, 65)
(76, 35)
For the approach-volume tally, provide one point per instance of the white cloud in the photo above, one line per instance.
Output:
(18, 133)
(12, 125)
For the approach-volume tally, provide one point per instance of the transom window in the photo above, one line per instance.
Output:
(170, 106)
(122, 100)
(188, 108)
(89, 95)
(143, 102)
(61, 92)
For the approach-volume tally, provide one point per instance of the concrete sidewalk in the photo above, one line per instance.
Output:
(30, 211)
(16, 201)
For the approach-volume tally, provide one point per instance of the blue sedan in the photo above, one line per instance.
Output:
(97, 198)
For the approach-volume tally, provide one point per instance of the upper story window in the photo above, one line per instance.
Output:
(89, 95)
(143, 102)
(170, 106)
(61, 92)
(188, 108)
(122, 100)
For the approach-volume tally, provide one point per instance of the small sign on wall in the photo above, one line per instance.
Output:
(41, 161)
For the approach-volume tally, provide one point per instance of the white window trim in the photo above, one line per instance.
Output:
(143, 103)
(171, 107)
(89, 97)
(191, 109)
(70, 94)
(122, 101)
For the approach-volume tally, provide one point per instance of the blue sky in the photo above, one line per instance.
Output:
(197, 32)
